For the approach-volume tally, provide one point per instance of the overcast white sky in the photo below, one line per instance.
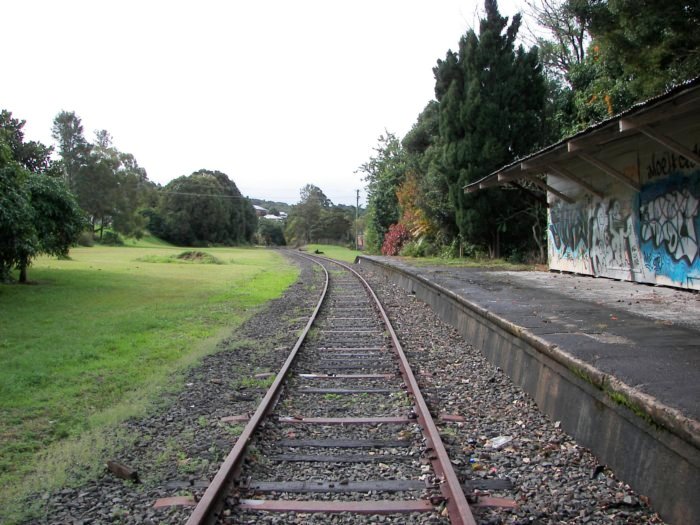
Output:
(276, 94)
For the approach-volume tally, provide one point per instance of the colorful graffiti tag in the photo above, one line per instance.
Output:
(649, 237)
(669, 226)
(597, 236)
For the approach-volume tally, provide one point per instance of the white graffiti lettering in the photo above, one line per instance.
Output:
(669, 220)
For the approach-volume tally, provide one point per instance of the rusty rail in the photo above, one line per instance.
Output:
(457, 505)
(210, 505)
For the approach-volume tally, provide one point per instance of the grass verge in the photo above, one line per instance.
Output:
(484, 264)
(99, 337)
(339, 253)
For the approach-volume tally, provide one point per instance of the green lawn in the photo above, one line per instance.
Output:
(97, 337)
(334, 252)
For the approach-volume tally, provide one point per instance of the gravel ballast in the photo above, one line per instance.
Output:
(503, 434)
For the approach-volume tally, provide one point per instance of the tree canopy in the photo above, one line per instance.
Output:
(204, 208)
(37, 212)
(316, 219)
(491, 99)
(496, 101)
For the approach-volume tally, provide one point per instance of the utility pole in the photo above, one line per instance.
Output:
(357, 216)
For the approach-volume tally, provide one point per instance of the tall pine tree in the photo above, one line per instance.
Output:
(491, 96)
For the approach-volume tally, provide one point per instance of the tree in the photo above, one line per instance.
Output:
(336, 224)
(206, 208)
(56, 216)
(37, 212)
(491, 105)
(67, 131)
(568, 24)
(17, 234)
(271, 232)
(316, 219)
(304, 222)
(426, 187)
(111, 187)
(384, 173)
(656, 42)
(109, 184)
(33, 156)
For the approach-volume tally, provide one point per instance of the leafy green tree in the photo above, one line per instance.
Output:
(304, 222)
(491, 98)
(316, 219)
(18, 237)
(605, 55)
(656, 42)
(578, 88)
(383, 173)
(57, 219)
(206, 208)
(33, 156)
(423, 148)
(109, 184)
(37, 212)
(67, 131)
(271, 232)
(336, 224)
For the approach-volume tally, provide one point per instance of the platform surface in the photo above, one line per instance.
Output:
(646, 336)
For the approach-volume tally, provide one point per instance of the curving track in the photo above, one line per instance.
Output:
(343, 433)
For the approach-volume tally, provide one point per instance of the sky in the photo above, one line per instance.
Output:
(276, 94)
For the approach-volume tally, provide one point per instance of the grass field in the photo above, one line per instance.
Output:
(334, 252)
(97, 337)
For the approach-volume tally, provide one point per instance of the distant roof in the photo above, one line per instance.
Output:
(259, 208)
(689, 89)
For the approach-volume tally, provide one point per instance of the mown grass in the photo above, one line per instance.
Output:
(339, 253)
(98, 338)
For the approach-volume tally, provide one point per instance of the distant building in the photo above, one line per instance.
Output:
(623, 195)
(260, 211)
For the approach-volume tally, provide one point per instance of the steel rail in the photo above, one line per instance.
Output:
(457, 505)
(211, 502)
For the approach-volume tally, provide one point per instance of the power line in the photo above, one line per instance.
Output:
(219, 196)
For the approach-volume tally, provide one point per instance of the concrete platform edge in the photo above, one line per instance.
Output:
(651, 446)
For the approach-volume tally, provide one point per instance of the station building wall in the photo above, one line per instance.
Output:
(651, 235)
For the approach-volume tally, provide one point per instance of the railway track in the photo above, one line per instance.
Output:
(343, 432)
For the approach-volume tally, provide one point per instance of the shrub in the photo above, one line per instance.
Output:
(112, 238)
(450, 251)
(198, 257)
(86, 239)
(394, 239)
(420, 248)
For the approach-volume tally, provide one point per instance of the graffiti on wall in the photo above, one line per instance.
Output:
(598, 234)
(669, 221)
(652, 236)
(668, 162)
(669, 226)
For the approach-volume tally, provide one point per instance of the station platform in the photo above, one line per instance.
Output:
(618, 363)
